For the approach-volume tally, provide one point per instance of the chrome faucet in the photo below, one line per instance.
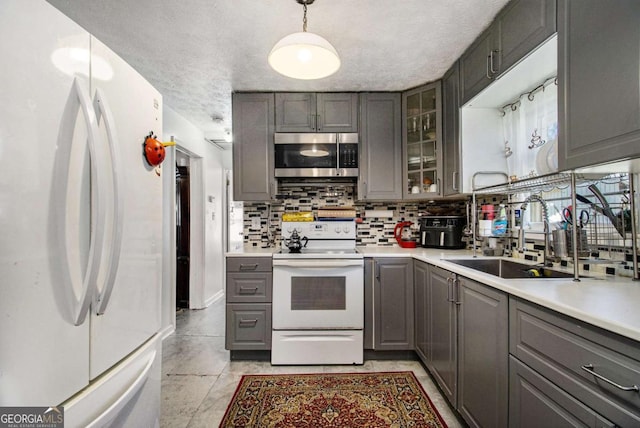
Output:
(545, 217)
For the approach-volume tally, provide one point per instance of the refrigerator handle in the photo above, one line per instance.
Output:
(101, 107)
(81, 101)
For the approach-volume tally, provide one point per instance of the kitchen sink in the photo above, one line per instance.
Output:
(510, 269)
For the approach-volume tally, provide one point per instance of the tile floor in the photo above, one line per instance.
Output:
(198, 380)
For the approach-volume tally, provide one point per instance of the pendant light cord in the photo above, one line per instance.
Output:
(304, 19)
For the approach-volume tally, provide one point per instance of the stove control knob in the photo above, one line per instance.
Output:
(289, 229)
(346, 229)
(337, 229)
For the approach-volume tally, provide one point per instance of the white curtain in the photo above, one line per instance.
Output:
(530, 128)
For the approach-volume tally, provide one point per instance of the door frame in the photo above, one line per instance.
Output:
(197, 226)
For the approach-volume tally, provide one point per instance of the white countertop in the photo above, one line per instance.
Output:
(251, 251)
(609, 302)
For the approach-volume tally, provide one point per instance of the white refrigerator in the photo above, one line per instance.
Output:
(80, 221)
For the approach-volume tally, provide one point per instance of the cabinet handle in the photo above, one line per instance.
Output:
(314, 122)
(455, 181)
(488, 73)
(318, 122)
(248, 290)
(377, 269)
(449, 287)
(438, 185)
(591, 370)
(456, 285)
(248, 323)
(491, 69)
(252, 266)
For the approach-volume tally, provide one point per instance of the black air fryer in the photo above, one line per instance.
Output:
(442, 232)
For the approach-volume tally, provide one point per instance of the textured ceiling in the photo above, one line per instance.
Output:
(196, 52)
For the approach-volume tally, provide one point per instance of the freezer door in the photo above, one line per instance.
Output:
(132, 108)
(45, 204)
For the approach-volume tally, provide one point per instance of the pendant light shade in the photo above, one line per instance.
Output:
(304, 55)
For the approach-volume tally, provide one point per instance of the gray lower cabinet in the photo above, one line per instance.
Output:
(450, 131)
(253, 154)
(380, 147)
(442, 321)
(389, 291)
(421, 310)
(598, 85)
(248, 311)
(316, 112)
(483, 387)
(465, 327)
(536, 402)
(570, 367)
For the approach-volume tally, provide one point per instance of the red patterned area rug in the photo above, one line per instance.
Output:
(382, 399)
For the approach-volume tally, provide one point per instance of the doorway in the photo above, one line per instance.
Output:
(183, 231)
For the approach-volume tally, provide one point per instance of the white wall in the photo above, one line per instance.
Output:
(207, 216)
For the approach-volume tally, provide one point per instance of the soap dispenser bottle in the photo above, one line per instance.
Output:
(500, 223)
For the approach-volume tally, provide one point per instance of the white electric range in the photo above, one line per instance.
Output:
(318, 296)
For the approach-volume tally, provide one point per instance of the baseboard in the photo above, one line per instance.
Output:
(167, 331)
(211, 300)
(370, 354)
(250, 355)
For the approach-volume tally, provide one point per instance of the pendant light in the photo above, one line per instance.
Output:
(304, 55)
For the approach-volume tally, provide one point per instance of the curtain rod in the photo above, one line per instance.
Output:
(530, 95)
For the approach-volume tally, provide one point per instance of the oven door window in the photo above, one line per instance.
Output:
(319, 155)
(318, 293)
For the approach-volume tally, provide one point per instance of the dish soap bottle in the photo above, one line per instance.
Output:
(500, 223)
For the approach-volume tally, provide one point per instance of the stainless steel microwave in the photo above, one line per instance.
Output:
(316, 155)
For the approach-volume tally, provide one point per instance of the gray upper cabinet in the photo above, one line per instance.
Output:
(598, 85)
(450, 131)
(380, 176)
(393, 304)
(518, 29)
(253, 158)
(422, 141)
(524, 25)
(479, 64)
(316, 112)
(296, 112)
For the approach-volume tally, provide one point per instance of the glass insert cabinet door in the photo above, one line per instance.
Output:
(422, 141)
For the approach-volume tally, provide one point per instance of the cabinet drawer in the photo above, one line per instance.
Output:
(248, 264)
(249, 287)
(561, 349)
(248, 326)
(535, 402)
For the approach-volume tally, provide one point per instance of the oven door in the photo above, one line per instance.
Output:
(318, 294)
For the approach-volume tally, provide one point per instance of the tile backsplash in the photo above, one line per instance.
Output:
(378, 231)
(371, 232)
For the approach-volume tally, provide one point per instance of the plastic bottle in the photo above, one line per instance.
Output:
(500, 223)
